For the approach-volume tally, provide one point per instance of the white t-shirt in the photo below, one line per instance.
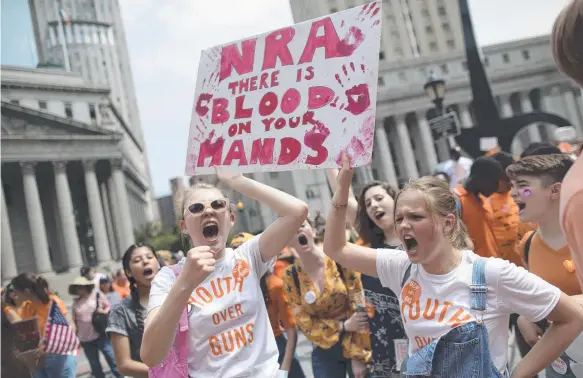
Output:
(442, 302)
(229, 330)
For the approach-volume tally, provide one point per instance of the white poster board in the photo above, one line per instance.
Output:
(295, 98)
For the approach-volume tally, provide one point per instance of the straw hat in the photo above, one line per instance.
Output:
(80, 282)
(241, 238)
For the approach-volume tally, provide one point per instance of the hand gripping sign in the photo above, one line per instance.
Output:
(295, 98)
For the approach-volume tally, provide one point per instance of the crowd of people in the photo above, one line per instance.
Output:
(425, 280)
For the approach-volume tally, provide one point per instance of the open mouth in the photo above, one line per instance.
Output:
(378, 214)
(521, 206)
(148, 272)
(410, 243)
(210, 230)
(303, 240)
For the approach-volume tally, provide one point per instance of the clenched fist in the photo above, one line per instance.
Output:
(199, 263)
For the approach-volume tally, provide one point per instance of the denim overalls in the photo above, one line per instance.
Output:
(463, 352)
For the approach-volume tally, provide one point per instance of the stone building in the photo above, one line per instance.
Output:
(73, 190)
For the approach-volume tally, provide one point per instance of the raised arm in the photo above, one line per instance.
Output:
(352, 208)
(351, 256)
(292, 212)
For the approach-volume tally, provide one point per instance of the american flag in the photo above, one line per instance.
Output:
(59, 336)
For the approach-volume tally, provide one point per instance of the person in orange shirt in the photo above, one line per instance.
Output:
(536, 187)
(121, 284)
(34, 290)
(474, 207)
(507, 228)
(279, 312)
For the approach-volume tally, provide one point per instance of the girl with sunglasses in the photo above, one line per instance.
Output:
(229, 334)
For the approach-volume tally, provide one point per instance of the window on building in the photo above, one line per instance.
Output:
(506, 58)
(433, 46)
(333, 10)
(92, 113)
(381, 81)
(429, 29)
(68, 110)
(444, 69)
(402, 76)
(450, 44)
(42, 105)
(441, 11)
(381, 55)
(526, 54)
(465, 65)
(15, 102)
(445, 26)
(273, 175)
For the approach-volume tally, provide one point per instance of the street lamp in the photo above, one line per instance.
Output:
(435, 88)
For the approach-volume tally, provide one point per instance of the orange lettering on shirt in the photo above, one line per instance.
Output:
(446, 306)
(426, 314)
(231, 340)
(230, 313)
(215, 346)
(219, 287)
(204, 294)
(414, 316)
(423, 341)
(456, 319)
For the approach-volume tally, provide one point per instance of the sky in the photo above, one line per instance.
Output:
(166, 38)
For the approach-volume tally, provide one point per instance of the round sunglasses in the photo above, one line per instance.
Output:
(198, 208)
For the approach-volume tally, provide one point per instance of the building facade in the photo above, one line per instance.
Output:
(72, 191)
(410, 28)
(93, 43)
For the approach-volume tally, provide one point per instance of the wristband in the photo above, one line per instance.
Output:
(336, 206)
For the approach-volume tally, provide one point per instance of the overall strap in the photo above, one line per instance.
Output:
(478, 287)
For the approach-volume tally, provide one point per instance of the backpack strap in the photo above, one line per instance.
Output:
(527, 247)
(478, 287)
(340, 271)
(183, 322)
(294, 272)
(407, 274)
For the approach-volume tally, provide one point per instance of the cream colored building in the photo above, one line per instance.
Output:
(73, 187)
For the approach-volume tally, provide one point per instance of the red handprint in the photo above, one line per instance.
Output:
(353, 39)
(358, 96)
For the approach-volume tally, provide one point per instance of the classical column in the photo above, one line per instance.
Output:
(36, 222)
(9, 268)
(427, 142)
(466, 116)
(65, 204)
(96, 213)
(533, 133)
(505, 107)
(115, 215)
(408, 156)
(127, 237)
(111, 238)
(387, 168)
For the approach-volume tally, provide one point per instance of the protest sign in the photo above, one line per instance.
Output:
(294, 98)
(27, 334)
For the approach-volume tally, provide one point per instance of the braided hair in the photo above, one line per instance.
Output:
(137, 307)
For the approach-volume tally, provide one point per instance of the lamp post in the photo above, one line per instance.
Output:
(435, 88)
(488, 121)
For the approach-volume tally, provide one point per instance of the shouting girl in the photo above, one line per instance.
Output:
(229, 334)
(126, 319)
(455, 305)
